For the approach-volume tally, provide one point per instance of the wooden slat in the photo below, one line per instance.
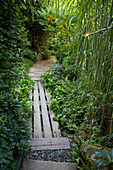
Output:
(45, 117)
(29, 164)
(52, 147)
(50, 144)
(37, 119)
(49, 141)
(56, 131)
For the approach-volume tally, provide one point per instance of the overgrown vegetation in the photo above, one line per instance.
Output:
(81, 83)
(15, 85)
(19, 48)
(36, 34)
(83, 61)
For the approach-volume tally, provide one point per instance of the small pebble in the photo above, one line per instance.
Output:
(52, 155)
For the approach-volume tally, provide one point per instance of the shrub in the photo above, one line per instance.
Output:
(13, 131)
(14, 126)
(15, 85)
(46, 54)
(29, 54)
(27, 63)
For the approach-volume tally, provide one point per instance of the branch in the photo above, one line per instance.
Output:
(99, 31)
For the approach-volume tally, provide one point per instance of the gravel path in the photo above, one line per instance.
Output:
(52, 155)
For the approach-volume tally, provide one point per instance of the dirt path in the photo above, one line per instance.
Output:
(41, 67)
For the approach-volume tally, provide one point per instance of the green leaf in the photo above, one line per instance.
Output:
(103, 154)
(79, 168)
(107, 154)
(102, 163)
(112, 154)
(77, 140)
(111, 136)
(71, 19)
(5, 161)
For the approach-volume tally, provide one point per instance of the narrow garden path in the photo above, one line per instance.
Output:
(50, 151)
(41, 67)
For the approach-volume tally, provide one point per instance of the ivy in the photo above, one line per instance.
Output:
(15, 85)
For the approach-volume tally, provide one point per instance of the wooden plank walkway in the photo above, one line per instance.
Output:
(49, 143)
(44, 133)
(42, 123)
(46, 165)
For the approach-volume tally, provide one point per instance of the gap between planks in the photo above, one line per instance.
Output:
(37, 116)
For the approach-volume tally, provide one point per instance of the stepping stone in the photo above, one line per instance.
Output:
(49, 143)
(29, 164)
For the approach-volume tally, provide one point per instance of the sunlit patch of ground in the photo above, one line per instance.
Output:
(41, 67)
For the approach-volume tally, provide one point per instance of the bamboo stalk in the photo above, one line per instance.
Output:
(96, 32)
(106, 95)
(84, 46)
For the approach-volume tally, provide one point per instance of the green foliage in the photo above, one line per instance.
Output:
(15, 85)
(46, 53)
(36, 35)
(81, 93)
(67, 106)
(27, 63)
(13, 131)
(106, 158)
(70, 67)
(77, 156)
(77, 151)
(14, 127)
(87, 167)
(22, 91)
(78, 36)
(29, 54)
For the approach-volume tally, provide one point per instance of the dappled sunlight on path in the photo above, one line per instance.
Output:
(41, 67)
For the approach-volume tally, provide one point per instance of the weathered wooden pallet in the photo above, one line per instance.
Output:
(42, 123)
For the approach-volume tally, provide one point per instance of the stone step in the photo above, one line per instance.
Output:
(49, 143)
(29, 164)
